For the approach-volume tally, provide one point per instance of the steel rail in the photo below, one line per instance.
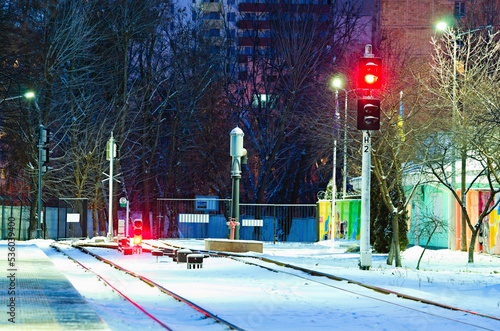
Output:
(163, 289)
(311, 272)
(114, 288)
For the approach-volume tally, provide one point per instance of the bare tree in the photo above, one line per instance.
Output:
(426, 229)
(285, 61)
(475, 99)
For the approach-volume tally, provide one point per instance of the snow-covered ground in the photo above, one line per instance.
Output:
(257, 299)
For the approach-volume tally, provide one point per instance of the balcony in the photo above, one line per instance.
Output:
(211, 7)
(253, 24)
(212, 24)
(258, 41)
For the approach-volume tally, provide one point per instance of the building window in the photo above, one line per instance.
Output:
(231, 17)
(214, 33)
(247, 50)
(263, 100)
(212, 16)
(459, 9)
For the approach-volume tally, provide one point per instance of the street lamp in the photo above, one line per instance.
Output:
(27, 95)
(443, 26)
(337, 84)
(31, 95)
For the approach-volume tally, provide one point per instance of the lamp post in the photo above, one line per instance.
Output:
(337, 83)
(31, 95)
(334, 175)
(443, 26)
(42, 139)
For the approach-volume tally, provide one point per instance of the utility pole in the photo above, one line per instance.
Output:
(110, 155)
(364, 239)
(43, 155)
(370, 78)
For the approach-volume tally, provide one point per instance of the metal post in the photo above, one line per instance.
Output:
(344, 172)
(20, 217)
(451, 226)
(364, 243)
(237, 152)
(40, 174)
(236, 199)
(127, 232)
(111, 161)
(334, 174)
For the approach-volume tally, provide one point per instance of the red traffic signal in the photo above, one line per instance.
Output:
(370, 73)
(137, 232)
(368, 114)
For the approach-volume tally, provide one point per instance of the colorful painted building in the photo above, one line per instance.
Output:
(431, 206)
(347, 219)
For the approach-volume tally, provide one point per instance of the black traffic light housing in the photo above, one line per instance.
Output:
(370, 73)
(45, 152)
(368, 114)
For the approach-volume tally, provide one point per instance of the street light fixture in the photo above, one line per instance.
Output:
(27, 95)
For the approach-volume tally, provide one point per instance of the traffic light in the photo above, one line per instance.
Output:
(370, 73)
(368, 114)
(137, 231)
(44, 150)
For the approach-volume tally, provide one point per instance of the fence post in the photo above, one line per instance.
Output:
(20, 217)
(1, 228)
(274, 222)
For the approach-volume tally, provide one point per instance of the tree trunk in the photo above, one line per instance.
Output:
(94, 219)
(395, 251)
(463, 234)
(390, 257)
(473, 236)
(426, 244)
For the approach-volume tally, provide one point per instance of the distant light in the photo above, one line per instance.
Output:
(442, 26)
(29, 95)
(337, 83)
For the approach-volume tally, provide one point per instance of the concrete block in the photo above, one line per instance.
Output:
(234, 246)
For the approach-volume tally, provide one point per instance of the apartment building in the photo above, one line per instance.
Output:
(413, 23)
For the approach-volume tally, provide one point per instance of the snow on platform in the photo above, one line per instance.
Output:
(36, 296)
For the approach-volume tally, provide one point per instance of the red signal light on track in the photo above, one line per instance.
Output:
(370, 73)
(137, 232)
(370, 79)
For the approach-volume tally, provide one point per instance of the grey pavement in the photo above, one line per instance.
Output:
(36, 296)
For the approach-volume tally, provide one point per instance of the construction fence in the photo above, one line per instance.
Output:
(207, 218)
(199, 218)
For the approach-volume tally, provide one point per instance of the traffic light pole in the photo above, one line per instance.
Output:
(364, 240)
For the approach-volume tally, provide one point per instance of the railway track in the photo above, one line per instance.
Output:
(417, 306)
(180, 302)
(280, 267)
